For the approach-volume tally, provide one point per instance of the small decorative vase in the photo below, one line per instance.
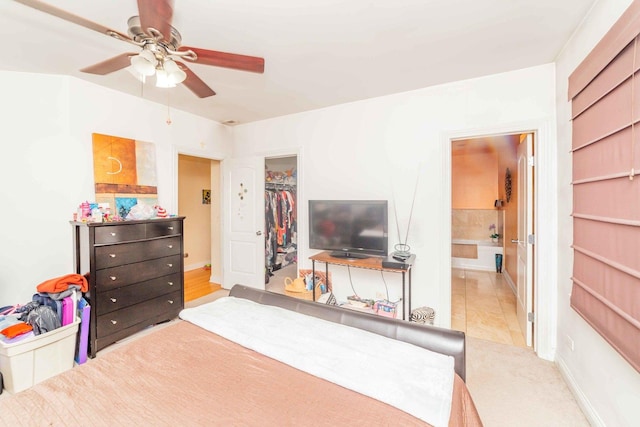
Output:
(498, 263)
(494, 239)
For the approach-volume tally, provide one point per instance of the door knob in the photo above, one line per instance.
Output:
(258, 233)
(517, 241)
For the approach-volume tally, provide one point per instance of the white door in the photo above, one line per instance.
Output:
(244, 247)
(525, 229)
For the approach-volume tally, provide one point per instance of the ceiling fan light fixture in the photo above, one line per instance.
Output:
(163, 79)
(151, 31)
(175, 74)
(144, 63)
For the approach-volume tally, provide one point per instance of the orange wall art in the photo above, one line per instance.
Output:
(124, 173)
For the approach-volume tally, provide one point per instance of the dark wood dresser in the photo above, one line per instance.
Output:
(136, 275)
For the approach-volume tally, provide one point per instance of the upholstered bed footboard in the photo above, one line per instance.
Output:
(440, 340)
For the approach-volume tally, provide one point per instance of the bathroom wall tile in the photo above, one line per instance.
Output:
(473, 224)
(464, 251)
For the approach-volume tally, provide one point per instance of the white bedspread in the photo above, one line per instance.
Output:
(408, 377)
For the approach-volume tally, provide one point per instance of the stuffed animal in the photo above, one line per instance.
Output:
(160, 211)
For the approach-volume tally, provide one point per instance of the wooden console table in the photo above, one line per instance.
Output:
(372, 263)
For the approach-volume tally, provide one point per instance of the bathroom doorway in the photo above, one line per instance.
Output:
(484, 222)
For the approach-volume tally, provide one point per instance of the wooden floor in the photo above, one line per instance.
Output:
(196, 284)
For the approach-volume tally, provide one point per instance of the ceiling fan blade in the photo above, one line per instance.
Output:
(110, 65)
(63, 14)
(227, 60)
(156, 14)
(194, 83)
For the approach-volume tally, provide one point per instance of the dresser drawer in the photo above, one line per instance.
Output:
(115, 277)
(128, 253)
(163, 228)
(115, 299)
(119, 233)
(115, 321)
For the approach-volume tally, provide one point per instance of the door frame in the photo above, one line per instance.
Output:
(176, 152)
(524, 287)
(302, 227)
(301, 208)
(545, 225)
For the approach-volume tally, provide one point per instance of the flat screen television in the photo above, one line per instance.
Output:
(349, 228)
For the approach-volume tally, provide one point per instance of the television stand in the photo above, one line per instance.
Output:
(370, 263)
(348, 255)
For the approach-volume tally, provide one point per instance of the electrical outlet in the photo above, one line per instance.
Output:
(569, 342)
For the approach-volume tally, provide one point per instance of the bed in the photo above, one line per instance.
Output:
(181, 373)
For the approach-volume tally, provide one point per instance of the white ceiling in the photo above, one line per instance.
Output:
(317, 53)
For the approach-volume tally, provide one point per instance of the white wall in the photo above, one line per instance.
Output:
(377, 148)
(46, 165)
(608, 387)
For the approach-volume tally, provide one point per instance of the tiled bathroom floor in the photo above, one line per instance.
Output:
(484, 306)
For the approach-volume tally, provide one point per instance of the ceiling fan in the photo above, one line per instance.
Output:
(161, 47)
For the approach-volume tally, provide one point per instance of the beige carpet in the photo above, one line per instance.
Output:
(511, 386)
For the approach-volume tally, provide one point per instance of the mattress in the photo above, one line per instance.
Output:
(181, 374)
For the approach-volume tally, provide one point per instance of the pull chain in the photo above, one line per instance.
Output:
(168, 121)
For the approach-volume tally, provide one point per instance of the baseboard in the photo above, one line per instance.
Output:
(196, 266)
(584, 404)
(507, 277)
(463, 266)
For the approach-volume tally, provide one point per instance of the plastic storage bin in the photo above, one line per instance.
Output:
(26, 363)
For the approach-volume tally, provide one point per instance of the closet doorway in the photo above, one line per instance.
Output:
(281, 221)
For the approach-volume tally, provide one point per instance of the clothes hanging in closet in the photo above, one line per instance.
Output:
(280, 218)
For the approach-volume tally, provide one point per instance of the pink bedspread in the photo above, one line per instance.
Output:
(183, 375)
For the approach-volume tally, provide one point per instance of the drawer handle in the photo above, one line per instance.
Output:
(170, 301)
(170, 228)
(113, 299)
(112, 277)
(170, 246)
(113, 322)
(112, 255)
(170, 283)
(169, 265)
(113, 234)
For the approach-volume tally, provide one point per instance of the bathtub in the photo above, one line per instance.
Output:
(475, 254)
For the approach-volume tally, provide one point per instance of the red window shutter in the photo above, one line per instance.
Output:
(605, 94)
